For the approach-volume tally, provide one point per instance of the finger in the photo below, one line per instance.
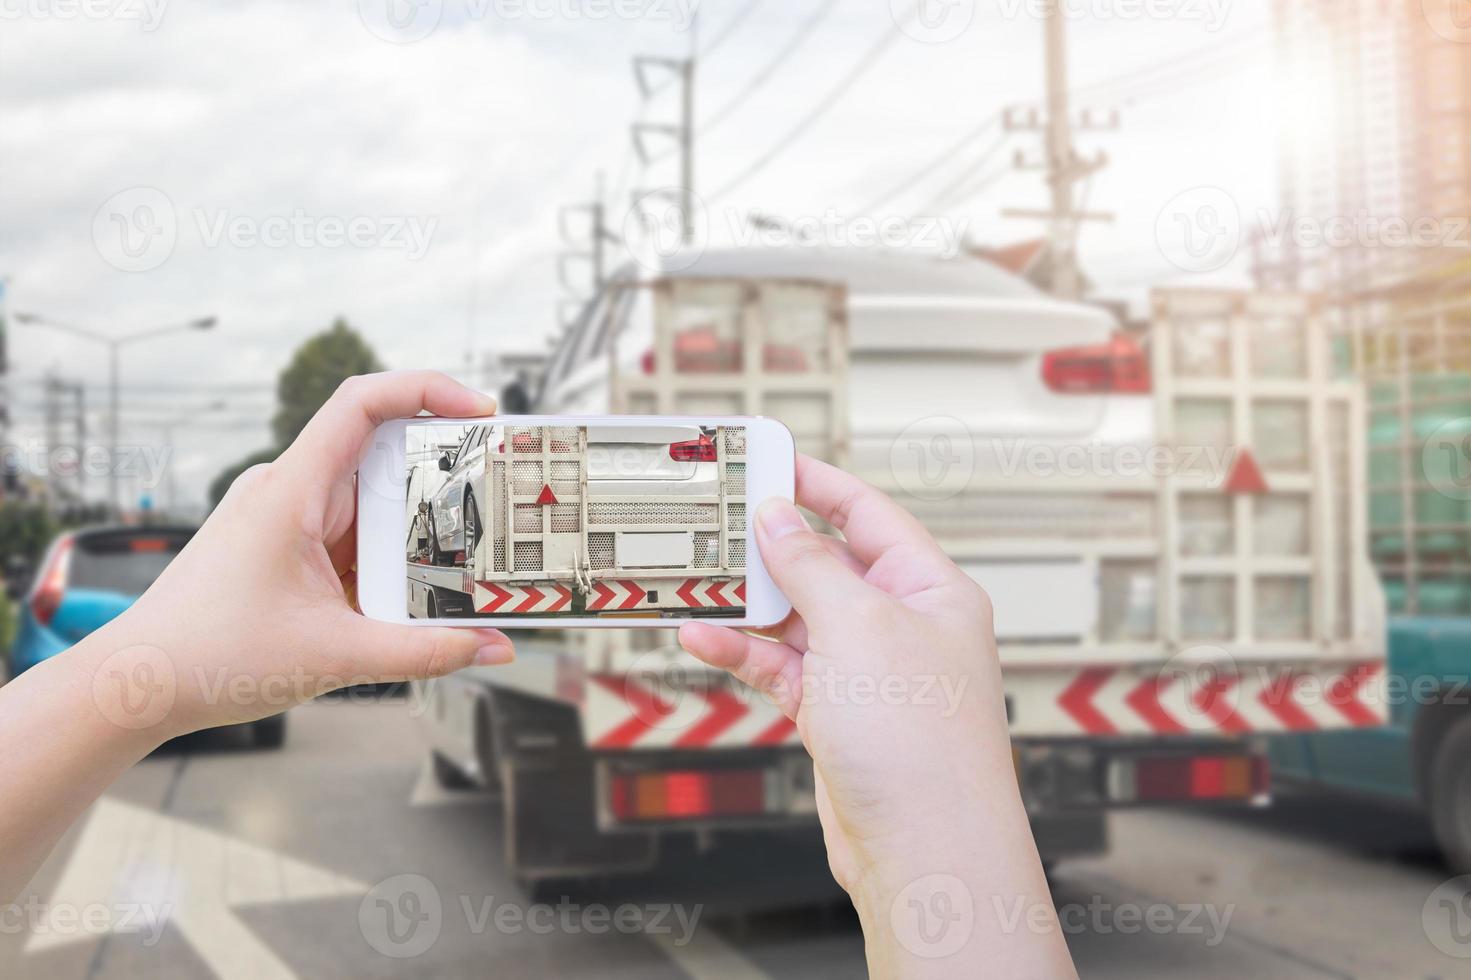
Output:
(388, 652)
(793, 629)
(772, 668)
(870, 520)
(820, 585)
(329, 447)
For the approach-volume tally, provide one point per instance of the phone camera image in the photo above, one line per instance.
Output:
(599, 520)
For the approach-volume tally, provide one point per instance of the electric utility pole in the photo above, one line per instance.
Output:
(1065, 168)
(582, 246)
(681, 72)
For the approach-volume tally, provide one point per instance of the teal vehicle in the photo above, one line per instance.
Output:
(1419, 461)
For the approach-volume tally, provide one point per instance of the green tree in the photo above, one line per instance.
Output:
(319, 365)
(315, 371)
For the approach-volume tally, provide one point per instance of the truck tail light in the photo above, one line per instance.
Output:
(1183, 778)
(1118, 367)
(51, 586)
(701, 450)
(687, 795)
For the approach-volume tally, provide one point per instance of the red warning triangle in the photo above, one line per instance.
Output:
(1245, 476)
(546, 497)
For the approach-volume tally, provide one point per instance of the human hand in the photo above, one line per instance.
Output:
(888, 666)
(257, 613)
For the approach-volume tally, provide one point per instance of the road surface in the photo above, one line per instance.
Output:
(339, 857)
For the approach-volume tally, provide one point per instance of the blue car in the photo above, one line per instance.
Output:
(87, 578)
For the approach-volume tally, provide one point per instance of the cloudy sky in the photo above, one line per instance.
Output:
(402, 163)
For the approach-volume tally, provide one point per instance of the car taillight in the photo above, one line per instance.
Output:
(1117, 367)
(50, 587)
(687, 795)
(522, 442)
(701, 450)
(148, 545)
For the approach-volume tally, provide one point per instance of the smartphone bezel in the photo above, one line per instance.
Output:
(382, 492)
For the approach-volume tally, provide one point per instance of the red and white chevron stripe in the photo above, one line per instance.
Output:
(699, 593)
(1148, 701)
(632, 712)
(617, 595)
(521, 600)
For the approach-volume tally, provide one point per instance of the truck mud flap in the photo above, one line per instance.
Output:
(551, 827)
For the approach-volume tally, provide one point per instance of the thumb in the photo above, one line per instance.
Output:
(391, 652)
(821, 587)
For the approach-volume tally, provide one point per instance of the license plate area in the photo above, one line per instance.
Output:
(654, 549)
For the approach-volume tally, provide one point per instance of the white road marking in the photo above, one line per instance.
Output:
(707, 957)
(152, 870)
(428, 792)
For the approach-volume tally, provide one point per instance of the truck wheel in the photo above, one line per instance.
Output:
(1450, 796)
(472, 525)
(448, 775)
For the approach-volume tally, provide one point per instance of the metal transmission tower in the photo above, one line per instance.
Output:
(61, 398)
(1064, 166)
(680, 71)
(584, 246)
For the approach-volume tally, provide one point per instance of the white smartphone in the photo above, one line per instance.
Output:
(561, 521)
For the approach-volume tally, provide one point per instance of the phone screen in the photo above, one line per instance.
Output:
(597, 520)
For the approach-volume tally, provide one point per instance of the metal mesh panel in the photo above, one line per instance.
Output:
(528, 520)
(525, 439)
(735, 517)
(707, 549)
(564, 471)
(566, 517)
(528, 556)
(735, 440)
(600, 549)
(652, 513)
(526, 476)
(735, 479)
(737, 549)
(498, 515)
(562, 439)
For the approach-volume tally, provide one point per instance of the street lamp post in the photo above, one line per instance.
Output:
(168, 428)
(114, 346)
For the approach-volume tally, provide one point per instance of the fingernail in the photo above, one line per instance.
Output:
(493, 654)
(778, 517)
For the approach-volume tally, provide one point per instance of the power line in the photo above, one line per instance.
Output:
(966, 175)
(946, 156)
(865, 64)
(769, 69)
(748, 8)
(944, 203)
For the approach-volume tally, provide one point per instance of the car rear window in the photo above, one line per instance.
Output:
(124, 563)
